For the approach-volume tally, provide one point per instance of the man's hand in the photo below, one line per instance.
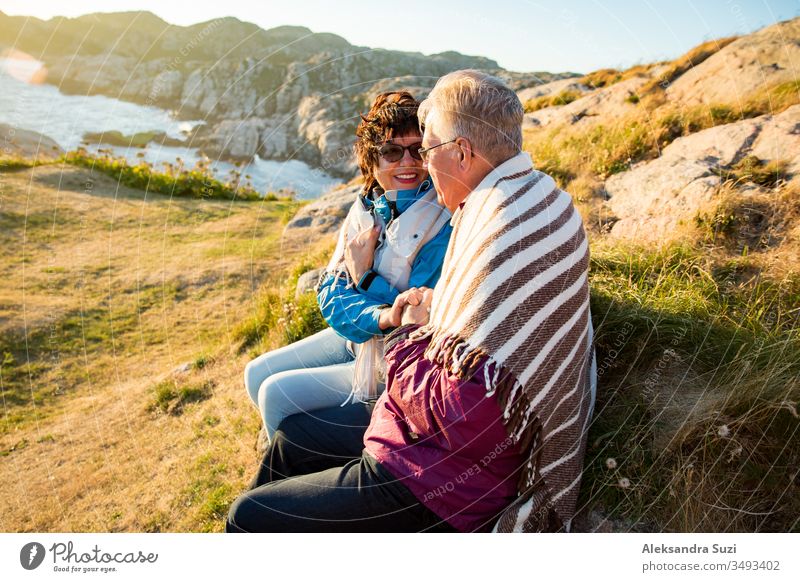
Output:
(410, 307)
(359, 253)
(420, 313)
(392, 316)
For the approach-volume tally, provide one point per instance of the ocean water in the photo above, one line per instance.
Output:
(66, 118)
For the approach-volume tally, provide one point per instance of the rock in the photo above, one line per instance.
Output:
(326, 214)
(753, 62)
(598, 106)
(306, 89)
(654, 199)
(24, 143)
(236, 139)
(300, 222)
(322, 218)
(780, 140)
(552, 88)
(307, 282)
(274, 140)
(167, 86)
(184, 368)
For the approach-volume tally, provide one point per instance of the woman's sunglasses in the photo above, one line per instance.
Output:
(392, 152)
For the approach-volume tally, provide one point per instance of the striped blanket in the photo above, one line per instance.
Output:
(514, 294)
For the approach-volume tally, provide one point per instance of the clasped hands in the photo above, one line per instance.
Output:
(410, 307)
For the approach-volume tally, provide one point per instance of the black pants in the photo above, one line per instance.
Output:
(315, 477)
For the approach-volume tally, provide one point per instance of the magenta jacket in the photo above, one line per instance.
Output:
(443, 437)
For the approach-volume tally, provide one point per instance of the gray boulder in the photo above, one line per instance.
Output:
(655, 200)
(307, 282)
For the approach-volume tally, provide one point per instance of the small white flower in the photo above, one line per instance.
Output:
(724, 431)
(624, 483)
(611, 463)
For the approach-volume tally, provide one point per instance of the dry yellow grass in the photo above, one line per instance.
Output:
(120, 290)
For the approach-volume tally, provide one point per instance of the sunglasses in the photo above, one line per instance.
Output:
(392, 152)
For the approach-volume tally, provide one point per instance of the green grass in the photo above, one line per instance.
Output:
(174, 180)
(138, 140)
(280, 318)
(209, 495)
(672, 320)
(755, 170)
(12, 163)
(562, 98)
(25, 360)
(171, 397)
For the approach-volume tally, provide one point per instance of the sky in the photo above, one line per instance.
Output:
(521, 35)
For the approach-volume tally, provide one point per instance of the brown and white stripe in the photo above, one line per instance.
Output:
(514, 295)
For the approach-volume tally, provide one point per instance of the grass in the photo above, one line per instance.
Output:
(562, 98)
(601, 150)
(279, 317)
(174, 180)
(170, 397)
(208, 496)
(699, 387)
(754, 209)
(12, 163)
(607, 77)
(755, 170)
(28, 358)
(139, 140)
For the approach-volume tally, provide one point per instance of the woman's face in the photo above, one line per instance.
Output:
(405, 173)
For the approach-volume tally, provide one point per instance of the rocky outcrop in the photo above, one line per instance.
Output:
(279, 93)
(324, 215)
(594, 107)
(757, 61)
(22, 143)
(655, 199)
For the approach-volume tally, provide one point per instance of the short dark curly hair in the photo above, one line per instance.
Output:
(392, 114)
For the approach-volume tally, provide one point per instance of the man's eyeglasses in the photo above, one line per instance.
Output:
(392, 152)
(423, 152)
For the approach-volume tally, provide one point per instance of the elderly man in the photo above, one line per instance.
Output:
(489, 376)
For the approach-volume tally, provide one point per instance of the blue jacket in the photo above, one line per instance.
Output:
(353, 311)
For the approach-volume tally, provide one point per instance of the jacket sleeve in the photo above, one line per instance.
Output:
(425, 271)
(351, 314)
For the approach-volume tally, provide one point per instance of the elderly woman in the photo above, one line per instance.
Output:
(394, 237)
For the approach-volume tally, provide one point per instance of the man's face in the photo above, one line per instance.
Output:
(443, 164)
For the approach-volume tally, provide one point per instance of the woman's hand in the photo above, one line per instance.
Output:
(359, 253)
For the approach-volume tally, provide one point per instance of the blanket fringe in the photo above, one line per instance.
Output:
(457, 355)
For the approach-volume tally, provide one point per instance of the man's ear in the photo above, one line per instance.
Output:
(464, 153)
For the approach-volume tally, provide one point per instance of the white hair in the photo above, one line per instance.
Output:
(480, 108)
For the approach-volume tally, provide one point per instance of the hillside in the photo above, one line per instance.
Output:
(122, 396)
(126, 317)
(281, 93)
